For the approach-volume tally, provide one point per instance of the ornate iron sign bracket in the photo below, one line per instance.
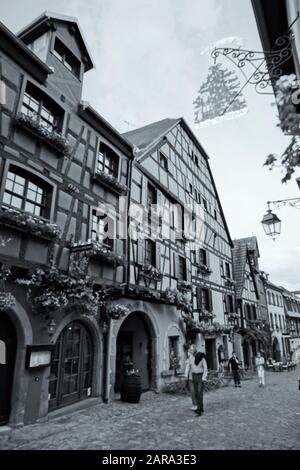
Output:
(265, 66)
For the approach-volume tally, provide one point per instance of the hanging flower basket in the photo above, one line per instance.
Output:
(7, 300)
(180, 299)
(117, 311)
(111, 182)
(53, 138)
(29, 223)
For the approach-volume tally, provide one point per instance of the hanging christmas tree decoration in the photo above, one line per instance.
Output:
(219, 97)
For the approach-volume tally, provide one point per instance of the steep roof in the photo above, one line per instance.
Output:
(42, 23)
(240, 256)
(146, 135)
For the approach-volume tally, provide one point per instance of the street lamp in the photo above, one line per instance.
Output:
(270, 222)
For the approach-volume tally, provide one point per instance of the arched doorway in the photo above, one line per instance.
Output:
(134, 346)
(8, 347)
(71, 366)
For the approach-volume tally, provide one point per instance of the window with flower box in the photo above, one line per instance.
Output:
(27, 192)
(150, 253)
(40, 107)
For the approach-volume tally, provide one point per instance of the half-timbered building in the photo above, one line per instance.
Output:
(60, 161)
(179, 255)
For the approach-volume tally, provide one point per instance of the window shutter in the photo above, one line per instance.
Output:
(210, 301)
(157, 250)
(199, 298)
(144, 191)
(188, 270)
(140, 251)
(176, 265)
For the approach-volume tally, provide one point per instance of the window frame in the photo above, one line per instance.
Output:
(75, 70)
(111, 241)
(106, 154)
(162, 157)
(38, 176)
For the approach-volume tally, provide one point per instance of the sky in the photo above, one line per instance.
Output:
(149, 66)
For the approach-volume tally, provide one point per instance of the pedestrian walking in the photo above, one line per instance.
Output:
(234, 368)
(260, 367)
(199, 374)
(189, 375)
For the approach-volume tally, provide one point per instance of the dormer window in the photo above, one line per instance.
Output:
(107, 161)
(40, 107)
(66, 57)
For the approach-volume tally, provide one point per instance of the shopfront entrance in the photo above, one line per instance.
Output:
(71, 367)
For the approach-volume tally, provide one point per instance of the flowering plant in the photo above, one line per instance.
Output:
(204, 268)
(151, 272)
(111, 181)
(184, 285)
(98, 250)
(30, 223)
(7, 300)
(206, 314)
(175, 297)
(117, 311)
(55, 138)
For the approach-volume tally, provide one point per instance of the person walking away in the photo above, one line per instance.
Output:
(199, 373)
(260, 367)
(189, 375)
(234, 368)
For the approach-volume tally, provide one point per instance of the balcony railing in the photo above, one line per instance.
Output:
(99, 251)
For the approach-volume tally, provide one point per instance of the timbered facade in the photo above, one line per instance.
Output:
(179, 245)
(60, 160)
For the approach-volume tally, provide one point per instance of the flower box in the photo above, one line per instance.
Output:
(184, 285)
(204, 269)
(12, 218)
(206, 315)
(151, 272)
(52, 138)
(99, 251)
(111, 182)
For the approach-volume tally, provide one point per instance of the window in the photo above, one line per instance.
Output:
(280, 322)
(66, 57)
(204, 202)
(269, 298)
(193, 256)
(151, 196)
(205, 303)
(181, 268)
(149, 252)
(40, 107)
(102, 228)
(203, 256)
(27, 192)
(174, 352)
(191, 189)
(222, 269)
(272, 320)
(227, 270)
(273, 299)
(215, 214)
(196, 160)
(107, 161)
(229, 304)
(163, 161)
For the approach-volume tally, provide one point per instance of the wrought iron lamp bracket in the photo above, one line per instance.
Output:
(294, 202)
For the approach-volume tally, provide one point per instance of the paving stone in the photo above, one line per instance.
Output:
(247, 418)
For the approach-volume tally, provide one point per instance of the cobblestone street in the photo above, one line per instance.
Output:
(246, 418)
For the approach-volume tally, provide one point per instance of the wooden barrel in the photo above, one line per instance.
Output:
(131, 388)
